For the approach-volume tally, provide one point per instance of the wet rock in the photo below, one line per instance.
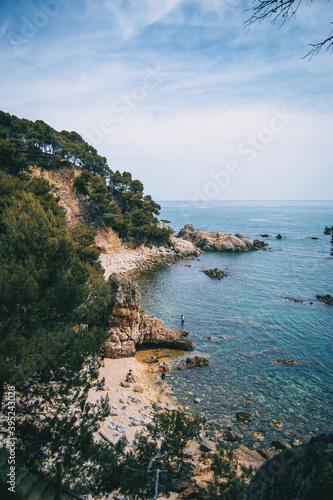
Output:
(286, 361)
(294, 300)
(328, 299)
(264, 235)
(215, 273)
(280, 445)
(197, 361)
(279, 237)
(232, 435)
(197, 400)
(296, 442)
(258, 435)
(277, 424)
(244, 416)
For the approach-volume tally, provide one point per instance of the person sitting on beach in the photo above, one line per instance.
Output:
(130, 377)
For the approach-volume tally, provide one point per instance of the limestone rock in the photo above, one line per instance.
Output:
(301, 472)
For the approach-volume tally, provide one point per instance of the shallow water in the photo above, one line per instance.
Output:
(249, 319)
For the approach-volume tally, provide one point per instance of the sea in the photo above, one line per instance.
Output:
(248, 320)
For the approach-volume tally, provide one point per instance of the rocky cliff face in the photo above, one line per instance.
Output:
(219, 242)
(304, 472)
(130, 327)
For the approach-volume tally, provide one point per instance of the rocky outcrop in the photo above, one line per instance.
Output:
(131, 328)
(219, 242)
(328, 299)
(197, 361)
(301, 472)
(215, 273)
(183, 247)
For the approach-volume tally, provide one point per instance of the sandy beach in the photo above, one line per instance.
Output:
(132, 407)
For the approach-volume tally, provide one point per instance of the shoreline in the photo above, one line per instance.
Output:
(133, 407)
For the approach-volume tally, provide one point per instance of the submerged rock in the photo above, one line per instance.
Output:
(244, 416)
(286, 361)
(197, 361)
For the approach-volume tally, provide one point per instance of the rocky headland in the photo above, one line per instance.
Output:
(219, 242)
(130, 328)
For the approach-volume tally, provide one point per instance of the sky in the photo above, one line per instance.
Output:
(178, 92)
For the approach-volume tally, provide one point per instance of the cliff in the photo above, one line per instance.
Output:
(131, 328)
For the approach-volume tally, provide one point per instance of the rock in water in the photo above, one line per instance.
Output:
(328, 299)
(301, 472)
(130, 327)
(244, 416)
(232, 435)
(218, 242)
(286, 361)
(197, 361)
(215, 273)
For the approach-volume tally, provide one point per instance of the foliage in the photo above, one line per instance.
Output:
(156, 461)
(55, 422)
(227, 485)
(22, 140)
(49, 279)
(274, 10)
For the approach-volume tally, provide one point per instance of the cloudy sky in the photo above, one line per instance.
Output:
(178, 92)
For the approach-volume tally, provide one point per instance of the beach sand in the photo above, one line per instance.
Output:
(131, 410)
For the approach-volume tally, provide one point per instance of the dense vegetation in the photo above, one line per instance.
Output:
(115, 200)
(54, 304)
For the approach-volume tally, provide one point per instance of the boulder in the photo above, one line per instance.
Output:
(232, 435)
(138, 388)
(244, 416)
(301, 472)
(279, 237)
(220, 242)
(206, 446)
(248, 458)
(277, 424)
(125, 384)
(215, 273)
(197, 361)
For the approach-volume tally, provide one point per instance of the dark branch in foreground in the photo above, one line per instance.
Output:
(273, 10)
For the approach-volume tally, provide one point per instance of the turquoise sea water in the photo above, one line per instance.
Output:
(251, 322)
